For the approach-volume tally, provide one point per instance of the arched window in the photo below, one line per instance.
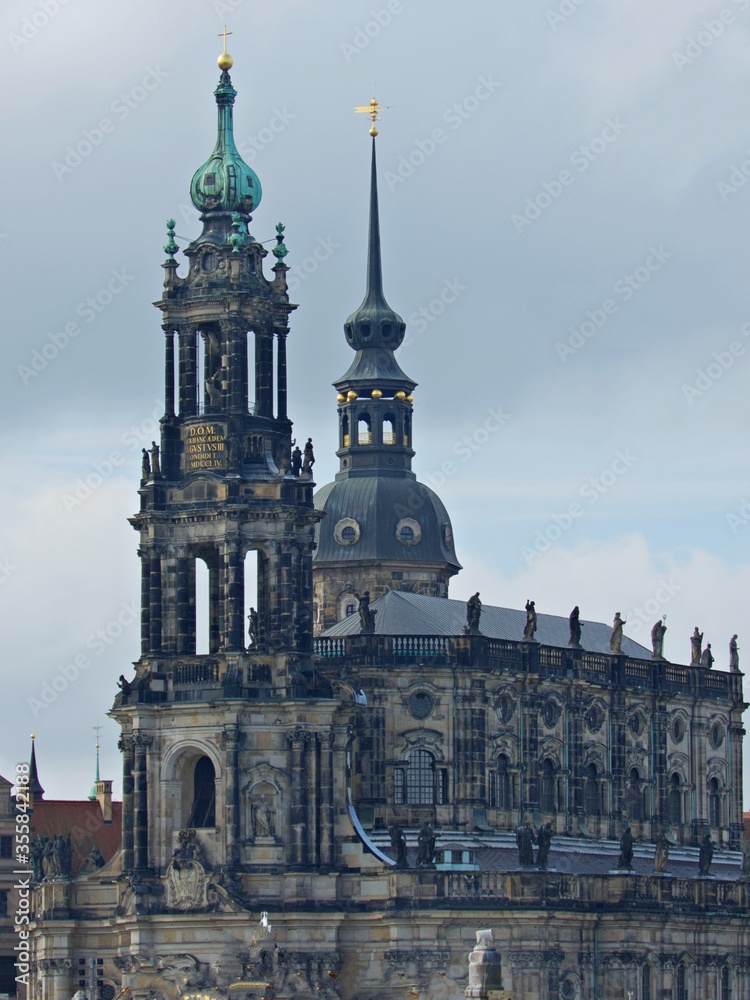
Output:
(203, 811)
(635, 796)
(592, 794)
(420, 779)
(350, 609)
(501, 786)
(407, 430)
(726, 984)
(389, 430)
(548, 796)
(364, 429)
(345, 440)
(681, 984)
(714, 803)
(646, 982)
(674, 805)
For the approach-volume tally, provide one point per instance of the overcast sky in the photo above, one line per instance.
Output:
(565, 229)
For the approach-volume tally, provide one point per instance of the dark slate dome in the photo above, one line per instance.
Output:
(381, 518)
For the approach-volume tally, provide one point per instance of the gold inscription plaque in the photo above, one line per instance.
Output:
(205, 447)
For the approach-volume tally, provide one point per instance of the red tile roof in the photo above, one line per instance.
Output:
(82, 820)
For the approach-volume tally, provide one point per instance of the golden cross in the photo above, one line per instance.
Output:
(224, 34)
(372, 109)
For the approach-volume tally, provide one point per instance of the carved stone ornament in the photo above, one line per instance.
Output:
(187, 885)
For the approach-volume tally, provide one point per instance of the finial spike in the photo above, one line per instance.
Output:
(372, 109)
(225, 61)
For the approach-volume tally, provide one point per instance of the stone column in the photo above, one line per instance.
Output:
(57, 975)
(299, 740)
(185, 610)
(698, 780)
(326, 740)
(263, 373)
(236, 372)
(734, 819)
(188, 372)
(169, 371)
(126, 745)
(154, 592)
(231, 742)
(140, 825)
(233, 597)
(281, 375)
(145, 601)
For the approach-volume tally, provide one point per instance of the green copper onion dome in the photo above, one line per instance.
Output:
(225, 183)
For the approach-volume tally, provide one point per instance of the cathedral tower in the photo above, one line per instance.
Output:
(383, 529)
(220, 491)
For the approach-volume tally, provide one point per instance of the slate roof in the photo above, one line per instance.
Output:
(403, 613)
(377, 503)
(497, 852)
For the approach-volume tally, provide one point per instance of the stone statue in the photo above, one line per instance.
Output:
(626, 849)
(262, 818)
(525, 840)
(615, 640)
(734, 656)
(145, 465)
(62, 856)
(213, 388)
(530, 629)
(473, 613)
(366, 614)
(661, 853)
(93, 862)
(124, 685)
(657, 640)
(296, 459)
(155, 465)
(398, 844)
(707, 657)
(575, 628)
(544, 839)
(696, 644)
(705, 855)
(308, 458)
(425, 845)
(253, 624)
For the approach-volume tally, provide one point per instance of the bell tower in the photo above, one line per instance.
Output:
(216, 749)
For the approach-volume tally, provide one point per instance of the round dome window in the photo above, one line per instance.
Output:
(408, 531)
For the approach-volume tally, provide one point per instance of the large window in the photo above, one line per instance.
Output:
(714, 803)
(548, 794)
(646, 982)
(203, 812)
(593, 796)
(681, 984)
(420, 783)
(726, 984)
(501, 785)
(674, 805)
(6, 846)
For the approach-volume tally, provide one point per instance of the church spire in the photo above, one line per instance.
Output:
(35, 786)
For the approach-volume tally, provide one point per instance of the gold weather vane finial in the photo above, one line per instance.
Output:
(225, 61)
(372, 109)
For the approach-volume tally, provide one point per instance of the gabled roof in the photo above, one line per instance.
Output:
(403, 613)
(81, 820)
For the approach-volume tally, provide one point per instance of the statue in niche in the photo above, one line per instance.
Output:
(696, 646)
(544, 840)
(366, 614)
(473, 613)
(615, 640)
(626, 849)
(213, 388)
(705, 855)
(308, 458)
(525, 840)
(530, 627)
(657, 640)
(155, 464)
(425, 846)
(253, 625)
(296, 459)
(145, 465)
(661, 853)
(575, 628)
(263, 817)
(398, 844)
(734, 656)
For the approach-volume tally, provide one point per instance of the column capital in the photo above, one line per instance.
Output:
(231, 737)
(126, 743)
(327, 739)
(142, 741)
(298, 737)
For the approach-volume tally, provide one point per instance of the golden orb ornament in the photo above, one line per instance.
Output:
(376, 394)
(351, 395)
(225, 61)
(400, 395)
(410, 399)
(341, 398)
